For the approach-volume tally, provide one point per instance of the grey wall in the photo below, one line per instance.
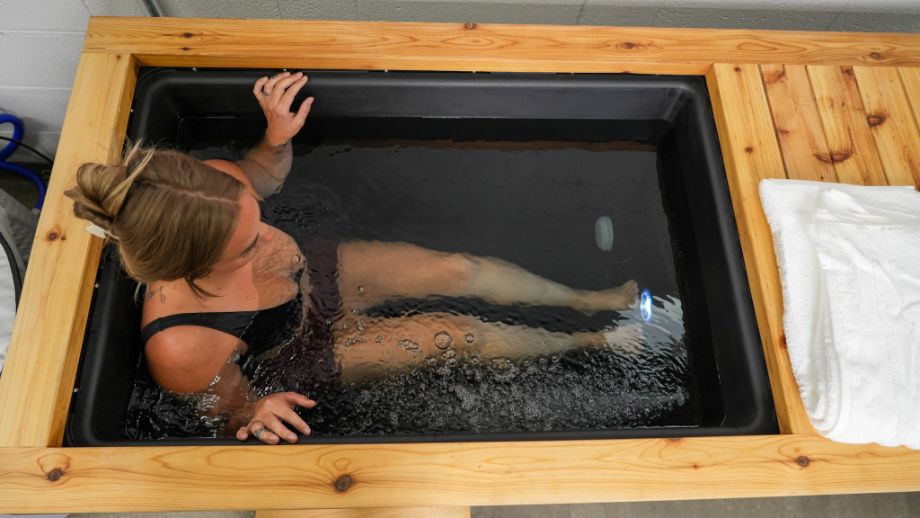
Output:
(40, 40)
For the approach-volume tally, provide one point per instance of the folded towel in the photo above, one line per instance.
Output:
(849, 261)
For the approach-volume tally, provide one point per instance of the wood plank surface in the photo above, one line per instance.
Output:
(910, 77)
(797, 123)
(482, 47)
(850, 141)
(891, 120)
(751, 153)
(444, 474)
(371, 512)
(38, 377)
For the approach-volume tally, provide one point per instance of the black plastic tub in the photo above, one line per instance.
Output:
(188, 108)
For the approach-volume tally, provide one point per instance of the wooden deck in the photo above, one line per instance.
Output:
(820, 106)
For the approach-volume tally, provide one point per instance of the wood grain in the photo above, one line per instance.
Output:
(38, 377)
(850, 142)
(444, 474)
(751, 153)
(891, 119)
(371, 512)
(797, 123)
(910, 77)
(482, 47)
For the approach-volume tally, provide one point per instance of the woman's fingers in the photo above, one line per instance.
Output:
(303, 111)
(288, 98)
(282, 85)
(294, 398)
(257, 88)
(269, 85)
(266, 435)
(294, 420)
(276, 426)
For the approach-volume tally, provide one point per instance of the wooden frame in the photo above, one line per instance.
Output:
(827, 106)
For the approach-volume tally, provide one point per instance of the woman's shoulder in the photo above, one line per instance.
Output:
(231, 168)
(188, 358)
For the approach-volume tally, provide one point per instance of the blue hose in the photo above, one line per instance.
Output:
(10, 147)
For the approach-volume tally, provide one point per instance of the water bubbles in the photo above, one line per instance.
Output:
(449, 354)
(352, 340)
(378, 339)
(360, 326)
(408, 345)
(502, 369)
(469, 338)
(431, 360)
(361, 291)
(443, 340)
(555, 358)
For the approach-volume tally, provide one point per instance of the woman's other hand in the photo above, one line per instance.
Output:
(269, 415)
(276, 95)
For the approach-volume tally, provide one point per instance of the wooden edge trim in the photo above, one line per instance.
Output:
(483, 47)
(34, 480)
(369, 512)
(38, 376)
(751, 153)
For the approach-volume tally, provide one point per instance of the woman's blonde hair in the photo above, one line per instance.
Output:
(170, 215)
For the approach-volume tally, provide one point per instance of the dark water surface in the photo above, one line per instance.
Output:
(535, 204)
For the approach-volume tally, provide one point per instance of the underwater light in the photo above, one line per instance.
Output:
(603, 233)
(645, 305)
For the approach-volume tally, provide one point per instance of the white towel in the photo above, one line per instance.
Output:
(849, 261)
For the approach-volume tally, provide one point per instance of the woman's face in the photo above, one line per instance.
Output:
(245, 240)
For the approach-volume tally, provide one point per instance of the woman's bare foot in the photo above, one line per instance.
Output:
(619, 298)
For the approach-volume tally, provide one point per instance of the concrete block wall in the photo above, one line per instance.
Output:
(40, 40)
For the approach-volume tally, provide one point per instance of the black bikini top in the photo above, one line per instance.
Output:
(231, 322)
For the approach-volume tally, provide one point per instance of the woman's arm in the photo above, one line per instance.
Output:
(226, 394)
(231, 397)
(268, 163)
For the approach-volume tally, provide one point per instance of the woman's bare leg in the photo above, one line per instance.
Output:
(371, 272)
(371, 347)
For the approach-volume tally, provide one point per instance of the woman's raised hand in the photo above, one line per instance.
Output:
(276, 95)
(269, 415)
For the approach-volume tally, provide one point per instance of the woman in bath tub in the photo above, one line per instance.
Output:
(218, 279)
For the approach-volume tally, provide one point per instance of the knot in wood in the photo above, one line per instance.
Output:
(53, 235)
(802, 461)
(55, 474)
(876, 55)
(469, 25)
(343, 483)
(875, 119)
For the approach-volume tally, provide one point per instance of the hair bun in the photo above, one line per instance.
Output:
(101, 189)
